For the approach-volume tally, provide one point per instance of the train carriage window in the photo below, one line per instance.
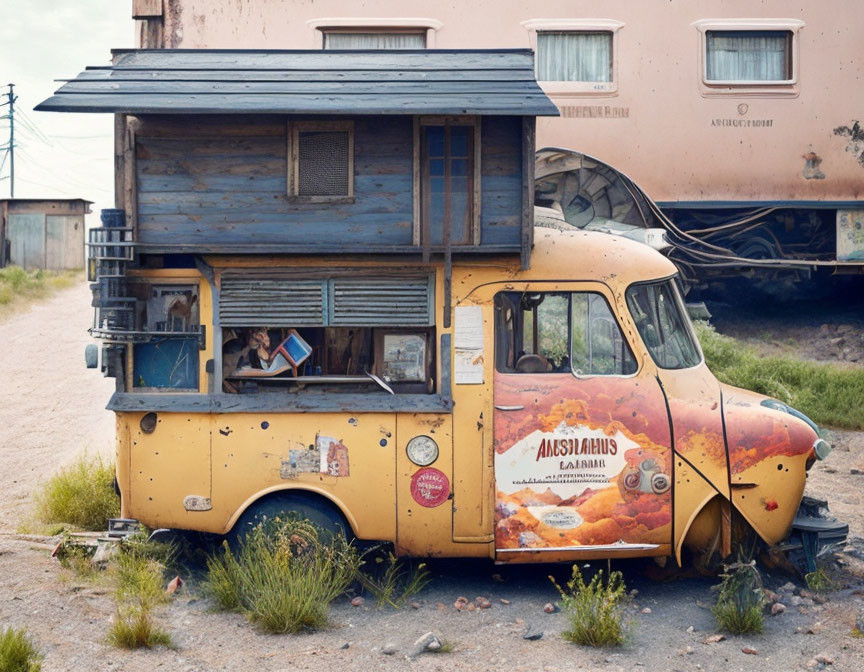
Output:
(662, 322)
(748, 56)
(560, 332)
(574, 56)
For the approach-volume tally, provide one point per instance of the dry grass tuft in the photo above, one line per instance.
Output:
(284, 575)
(595, 610)
(17, 652)
(81, 495)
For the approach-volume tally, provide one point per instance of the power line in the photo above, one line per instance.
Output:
(11, 98)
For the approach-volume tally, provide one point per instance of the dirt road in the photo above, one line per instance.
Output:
(51, 408)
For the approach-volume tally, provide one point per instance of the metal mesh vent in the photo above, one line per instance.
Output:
(322, 163)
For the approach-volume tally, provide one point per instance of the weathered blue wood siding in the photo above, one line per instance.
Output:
(230, 187)
(208, 182)
(501, 181)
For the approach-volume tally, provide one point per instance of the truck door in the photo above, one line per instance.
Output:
(582, 440)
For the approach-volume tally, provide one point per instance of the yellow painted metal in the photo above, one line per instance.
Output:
(424, 530)
(771, 505)
(692, 493)
(234, 459)
(166, 466)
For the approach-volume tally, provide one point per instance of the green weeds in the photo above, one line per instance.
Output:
(595, 610)
(740, 599)
(81, 495)
(17, 652)
(138, 573)
(827, 393)
(283, 576)
(395, 582)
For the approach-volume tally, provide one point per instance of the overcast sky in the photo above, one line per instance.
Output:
(58, 155)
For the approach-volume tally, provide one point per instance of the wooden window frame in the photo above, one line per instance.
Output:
(759, 89)
(564, 89)
(476, 197)
(293, 178)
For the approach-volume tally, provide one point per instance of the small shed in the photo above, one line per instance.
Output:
(46, 233)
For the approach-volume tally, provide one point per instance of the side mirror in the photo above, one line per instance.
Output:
(91, 356)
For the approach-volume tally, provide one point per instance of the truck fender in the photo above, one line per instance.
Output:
(335, 501)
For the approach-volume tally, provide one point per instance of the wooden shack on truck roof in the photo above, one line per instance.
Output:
(404, 155)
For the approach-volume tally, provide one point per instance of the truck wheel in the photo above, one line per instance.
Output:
(296, 505)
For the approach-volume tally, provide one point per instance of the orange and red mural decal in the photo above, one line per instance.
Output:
(581, 463)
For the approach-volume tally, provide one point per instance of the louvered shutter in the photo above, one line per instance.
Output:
(392, 301)
(246, 301)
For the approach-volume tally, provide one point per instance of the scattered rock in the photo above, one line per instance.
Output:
(532, 634)
(634, 592)
(646, 610)
(550, 608)
(815, 629)
(482, 603)
(770, 596)
(686, 651)
(713, 639)
(824, 659)
(503, 601)
(856, 472)
(173, 585)
(357, 602)
(428, 642)
(415, 605)
(788, 587)
(471, 606)
(389, 649)
(748, 650)
(795, 600)
(777, 608)
(460, 603)
(829, 470)
(345, 645)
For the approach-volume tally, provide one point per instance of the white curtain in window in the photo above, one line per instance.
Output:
(747, 56)
(383, 40)
(574, 57)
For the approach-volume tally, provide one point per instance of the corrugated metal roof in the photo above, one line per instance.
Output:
(204, 81)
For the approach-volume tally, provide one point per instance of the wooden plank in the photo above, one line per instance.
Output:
(306, 402)
(119, 162)
(371, 103)
(446, 387)
(528, 143)
(415, 186)
(477, 183)
(64, 242)
(514, 59)
(353, 75)
(130, 178)
(349, 251)
(235, 86)
(27, 240)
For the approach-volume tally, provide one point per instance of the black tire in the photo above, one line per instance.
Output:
(297, 505)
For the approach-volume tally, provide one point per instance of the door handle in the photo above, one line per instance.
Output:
(508, 408)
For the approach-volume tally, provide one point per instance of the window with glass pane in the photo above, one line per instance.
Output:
(574, 56)
(597, 347)
(663, 325)
(447, 182)
(559, 332)
(371, 40)
(748, 55)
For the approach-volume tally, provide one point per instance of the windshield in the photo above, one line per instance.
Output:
(662, 324)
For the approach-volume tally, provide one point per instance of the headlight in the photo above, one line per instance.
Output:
(422, 450)
(821, 449)
(786, 408)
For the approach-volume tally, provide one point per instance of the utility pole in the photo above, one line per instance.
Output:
(12, 98)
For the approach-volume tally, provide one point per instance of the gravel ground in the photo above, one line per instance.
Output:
(69, 618)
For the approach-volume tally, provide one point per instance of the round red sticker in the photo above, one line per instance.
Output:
(430, 487)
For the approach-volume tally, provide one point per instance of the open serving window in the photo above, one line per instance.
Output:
(325, 331)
